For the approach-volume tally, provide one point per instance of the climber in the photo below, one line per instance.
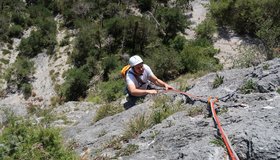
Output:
(140, 80)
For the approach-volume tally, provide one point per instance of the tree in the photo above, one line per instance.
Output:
(172, 20)
(89, 43)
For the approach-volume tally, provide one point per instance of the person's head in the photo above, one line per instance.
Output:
(136, 63)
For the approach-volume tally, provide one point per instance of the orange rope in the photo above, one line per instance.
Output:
(231, 152)
(211, 101)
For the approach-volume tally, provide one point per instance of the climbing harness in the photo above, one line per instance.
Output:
(211, 107)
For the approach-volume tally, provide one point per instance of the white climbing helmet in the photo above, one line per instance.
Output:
(134, 60)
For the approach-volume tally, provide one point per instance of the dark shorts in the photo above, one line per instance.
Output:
(132, 100)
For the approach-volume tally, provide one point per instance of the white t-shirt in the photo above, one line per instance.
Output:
(130, 77)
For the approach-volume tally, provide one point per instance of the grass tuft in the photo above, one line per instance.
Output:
(218, 81)
(249, 87)
(107, 110)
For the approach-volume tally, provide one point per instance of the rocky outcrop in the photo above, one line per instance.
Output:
(250, 120)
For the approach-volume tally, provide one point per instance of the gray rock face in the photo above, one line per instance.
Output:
(187, 138)
(42, 84)
(98, 134)
(251, 121)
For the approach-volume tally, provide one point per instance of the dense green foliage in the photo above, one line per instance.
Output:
(107, 30)
(21, 16)
(258, 18)
(172, 20)
(15, 17)
(11, 12)
(22, 139)
(112, 90)
(206, 29)
(198, 55)
(75, 84)
(19, 75)
(166, 62)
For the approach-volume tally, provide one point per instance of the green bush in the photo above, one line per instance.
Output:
(22, 139)
(109, 64)
(15, 31)
(266, 66)
(270, 36)
(48, 29)
(26, 89)
(20, 71)
(115, 26)
(178, 43)
(5, 61)
(165, 62)
(47, 25)
(50, 5)
(64, 42)
(206, 29)
(218, 142)
(112, 90)
(198, 55)
(39, 11)
(19, 75)
(91, 66)
(221, 10)
(20, 19)
(138, 33)
(37, 41)
(6, 51)
(4, 27)
(75, 85)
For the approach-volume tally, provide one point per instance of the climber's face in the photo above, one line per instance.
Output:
(139, 69)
